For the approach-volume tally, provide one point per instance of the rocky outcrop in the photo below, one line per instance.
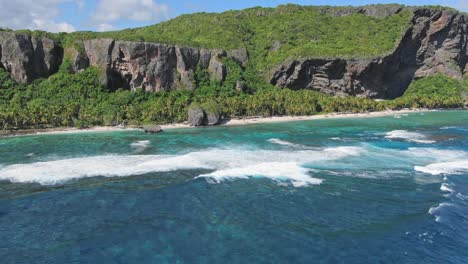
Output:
(152, 129)
(151, 66)
(27, 58)
(436, 42)
(196, 115)
(207, 114)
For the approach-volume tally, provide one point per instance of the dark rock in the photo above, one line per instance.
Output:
(241, 86)
(216, 68)
(152, 129)
(27, 58)
(196, 115)
(212, 114)
(81, 62)
(241, 56)
(213, 118)
(154, 67)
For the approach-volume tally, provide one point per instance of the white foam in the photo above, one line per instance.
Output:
(224, 160)
(446, 188)
(141, 145)
(438, 155)
(447, 127)
(280, 172)
(284, 143)
(434, 211)
(53, 172)
(453, 128)
(408, 136)
(452, 167)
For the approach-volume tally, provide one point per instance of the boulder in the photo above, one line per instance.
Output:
(241, 86)
(152, 129)
(212, 113)
(213, 117)
(196, 115)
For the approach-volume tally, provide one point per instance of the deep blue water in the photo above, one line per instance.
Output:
(369, 190)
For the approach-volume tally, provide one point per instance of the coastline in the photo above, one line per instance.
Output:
(226, 122)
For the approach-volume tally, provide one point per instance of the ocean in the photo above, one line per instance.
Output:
(356, 190)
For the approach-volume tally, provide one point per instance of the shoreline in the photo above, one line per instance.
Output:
(226, 122)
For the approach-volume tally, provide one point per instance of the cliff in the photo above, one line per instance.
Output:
(434, 41)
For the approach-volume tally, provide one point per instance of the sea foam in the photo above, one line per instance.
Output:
(452, 167)
(239, 163)
(141, 145)
(446, 188)
(290, 171)
(408, 136)
(435, 211)
(285, 143)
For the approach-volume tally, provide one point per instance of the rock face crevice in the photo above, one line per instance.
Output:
(436, 42)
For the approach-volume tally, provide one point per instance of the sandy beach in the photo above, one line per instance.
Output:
(226, 122)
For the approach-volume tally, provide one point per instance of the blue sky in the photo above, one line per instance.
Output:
(101, 15)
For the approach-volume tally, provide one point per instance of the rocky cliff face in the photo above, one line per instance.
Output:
(28, 58)
(435, 42)
(150, 66)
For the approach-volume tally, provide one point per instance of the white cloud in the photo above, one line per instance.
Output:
(462, 5)
(104, 27)
(52, 26)
(37, 14)
(109, 11)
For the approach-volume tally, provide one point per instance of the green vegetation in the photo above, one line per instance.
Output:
(271, 35)
(436, 86)
(81, 100)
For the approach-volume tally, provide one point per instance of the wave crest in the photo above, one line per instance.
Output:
(250, 162)
(453, 167)
(291, 171)
(141, 145)
(284, 143)
(409, 136)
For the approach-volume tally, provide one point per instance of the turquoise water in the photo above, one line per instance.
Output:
(369, 190)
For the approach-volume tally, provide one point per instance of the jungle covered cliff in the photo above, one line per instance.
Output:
(355, 53)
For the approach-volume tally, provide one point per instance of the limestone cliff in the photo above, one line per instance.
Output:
(434, 42)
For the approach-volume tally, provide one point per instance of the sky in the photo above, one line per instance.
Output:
(106, 15)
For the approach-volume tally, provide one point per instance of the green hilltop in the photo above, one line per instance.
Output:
(272, 34)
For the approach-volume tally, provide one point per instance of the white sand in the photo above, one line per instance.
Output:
(276, 119)
(237, 122)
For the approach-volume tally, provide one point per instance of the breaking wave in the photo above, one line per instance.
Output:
(290, 171)
(141, 145)
(238, 163)
(435, 211)
(285, 143)
(409, 136)
(452, 167)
